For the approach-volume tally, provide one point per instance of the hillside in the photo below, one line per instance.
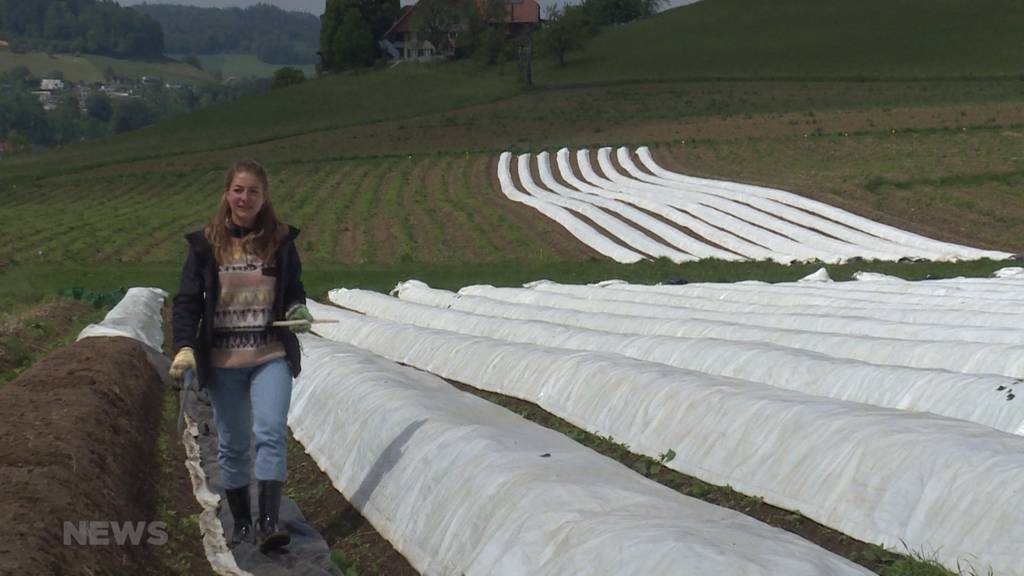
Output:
(810, 39)
(93, 68)
(405, 158)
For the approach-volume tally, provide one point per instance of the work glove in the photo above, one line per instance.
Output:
(183, 360)
(299, 312)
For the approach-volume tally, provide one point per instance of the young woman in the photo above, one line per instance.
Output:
(242, 273)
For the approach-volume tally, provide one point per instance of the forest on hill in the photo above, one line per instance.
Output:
(70, 26)
(273, 35)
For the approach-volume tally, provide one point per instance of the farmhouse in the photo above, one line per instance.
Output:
(405, 40)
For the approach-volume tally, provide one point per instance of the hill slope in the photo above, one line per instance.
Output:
(809, 39)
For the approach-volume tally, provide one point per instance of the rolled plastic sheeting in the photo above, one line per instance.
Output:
(136, 316)
(462, 486)
(578, 228)
(803, 295)
(933, 316)
(719, 216)
(975, 398)
(871, 245)
(621, 230)
(965, 357)
(673, 236)
(939, 486)
(825, 247)
(829, 323)
(723, 238)
(895, 235)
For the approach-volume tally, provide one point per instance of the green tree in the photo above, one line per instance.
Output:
(99, 106)
(380, 15)
(492, 47)
(65, 122)
(330, 23)
(438, 20)
(132, 114)
(375, 17)
(287, 77)
(567, 31)
(353, 43)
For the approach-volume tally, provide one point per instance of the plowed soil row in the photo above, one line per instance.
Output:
(80, 430)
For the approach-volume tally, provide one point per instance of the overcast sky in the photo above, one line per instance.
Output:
(311, 6)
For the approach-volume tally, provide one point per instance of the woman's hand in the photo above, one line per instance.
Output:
(183, 360)
(299, 312)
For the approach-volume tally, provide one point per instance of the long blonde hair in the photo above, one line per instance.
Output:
(268, 232)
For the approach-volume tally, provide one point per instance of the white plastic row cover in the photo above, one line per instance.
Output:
(953, 348)
(823, 294)
(136, 316)
(976, 398)
(834, 221)
(724, 220)
(462, 486)
(937, 316)
(940, 486)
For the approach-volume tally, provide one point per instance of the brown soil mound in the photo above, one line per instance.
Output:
(79, 431)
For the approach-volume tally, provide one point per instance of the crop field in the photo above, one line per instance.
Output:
(379, 211)
(871, 425)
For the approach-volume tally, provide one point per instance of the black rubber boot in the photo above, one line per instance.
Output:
(238, 502)
(270, 536)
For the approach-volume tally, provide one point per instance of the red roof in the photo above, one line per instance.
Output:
(525, 12)
(403, 24)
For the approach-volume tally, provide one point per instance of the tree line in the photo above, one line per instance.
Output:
(273, 35)
(70, 26)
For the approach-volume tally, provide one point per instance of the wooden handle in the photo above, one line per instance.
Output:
(287, 323)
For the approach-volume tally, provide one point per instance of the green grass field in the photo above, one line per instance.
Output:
(797, 39)
(91, 68)
(74, 68)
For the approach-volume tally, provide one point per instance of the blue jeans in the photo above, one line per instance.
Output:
(250, 402)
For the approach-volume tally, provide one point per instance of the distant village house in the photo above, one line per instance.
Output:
(403, 42)
(51, 84)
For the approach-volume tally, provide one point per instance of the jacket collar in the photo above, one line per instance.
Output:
(198, 240)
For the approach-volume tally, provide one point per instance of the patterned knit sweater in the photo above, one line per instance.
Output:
(241, 335)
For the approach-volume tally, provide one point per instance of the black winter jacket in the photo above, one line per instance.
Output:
(196, 300)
